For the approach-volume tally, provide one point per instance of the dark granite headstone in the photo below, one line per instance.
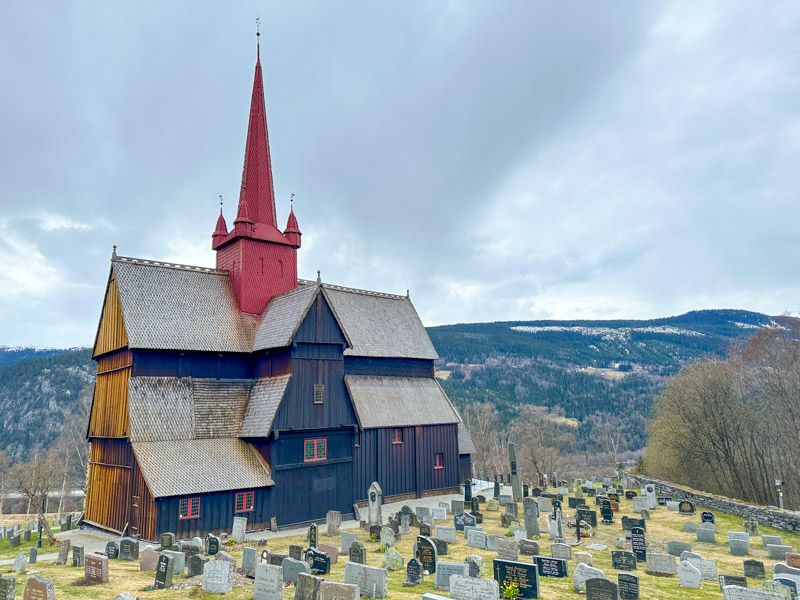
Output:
(600, 588)
(425, 529)
(77, 556)
(524, 575)
(630, 494)
(441, 546)
(312, 535)
(467, 491)
(319, 562)
(296, 551)
(623, 561)
(426, 553)
(164, 572)
(358, 554)
(639, 544)
(590, 516)
(212, 545)
(629, 523)
(707, 517)
(754, 569)
(128, 549)
(732, 580)
(686, 508)
(551, 567)
(414, 575)
(628, 586)
(196, 564)
(112, 550)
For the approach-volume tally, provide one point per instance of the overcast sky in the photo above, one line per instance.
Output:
(503, 160)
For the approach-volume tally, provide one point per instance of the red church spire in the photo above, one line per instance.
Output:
(292, 231)
(221, 230)
(257, 188)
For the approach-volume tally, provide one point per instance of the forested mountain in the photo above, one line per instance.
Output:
(601, 374)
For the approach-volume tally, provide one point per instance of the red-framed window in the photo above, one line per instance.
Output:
(315, 449)
(189, 508)
(397, 436)
(438, 461)
(244, 501)
(319, 393)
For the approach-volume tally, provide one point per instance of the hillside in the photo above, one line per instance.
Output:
(599, 372)
(605, 374)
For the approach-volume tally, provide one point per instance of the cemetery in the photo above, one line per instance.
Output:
(475, 549)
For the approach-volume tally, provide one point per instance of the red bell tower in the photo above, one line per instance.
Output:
(261, 260)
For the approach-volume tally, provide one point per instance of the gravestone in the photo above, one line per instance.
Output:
(239, 528)
(528, 547)
(464, 519)
(772, 590)
(706, 533)
(707, 517)
(331, 551)
(507, 549)
(387, 536)
(439, 514)
(222, 555)
(545, 504)
(95, 569)
(375, 497)
(739, 543)
(476, 539)
(792, 584)
(639, 544)
(426, 553)
(766, 540)
(732, 580)
(112, 550)
(332, 590)
(7, 587)
(687, 508)
(628, 586)
(448, 534)
(196, 564)
(269, 583)
(291, 568)
(442, 547)
(63, 552)
(623, 561)
(307, 587)
(333, 521)
(793, 559)
(425, 529)
(249, 557)
(778, 552)
(318, 561)
(128, 549)
(33, 553)
(754, 569)
(689, 575)
(212, 545)
(217, 576)
(550, 567)
(178, 560)
(312, 537)
(524, 575)
(393, 560)
(414, 573)
(167, 540)
(590, 516)
(372, 581)
(660, 564)
(707, 567)
(476, 565)
(676, 548)
(530, 509)
(471, 588)
(751, 526)
(467, 491)
(148, 559)
(650, 494)
(296, 551)
(456, 506)
(444, 570)
(39, 588)
(19, 563)
(164, 571)
(599, 588)
(77, 556)
(562, 551)
(357, 553)
(347, 539)
(582, 573)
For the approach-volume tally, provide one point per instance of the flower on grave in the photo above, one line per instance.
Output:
(509, 591)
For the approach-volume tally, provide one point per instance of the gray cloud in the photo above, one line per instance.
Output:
(504, 160)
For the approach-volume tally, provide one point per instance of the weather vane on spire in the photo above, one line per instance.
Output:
(220, 200)
(291, 199)
(258, 26)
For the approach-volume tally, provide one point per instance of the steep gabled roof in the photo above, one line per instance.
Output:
(399, 401)
(465, 445)
(180, 467)
(283, 316)
(176, 307)
(380, 325)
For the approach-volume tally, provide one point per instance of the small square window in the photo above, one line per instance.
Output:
(244, 501)
(315, 449)
(189, 508)
(438, 461)
(319, 393)
(397, 436)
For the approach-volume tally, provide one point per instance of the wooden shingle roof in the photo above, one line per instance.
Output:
(381, 401)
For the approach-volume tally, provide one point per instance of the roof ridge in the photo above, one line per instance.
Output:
(343, 288)
(169, 265)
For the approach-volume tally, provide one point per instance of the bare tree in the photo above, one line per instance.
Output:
(35, 479)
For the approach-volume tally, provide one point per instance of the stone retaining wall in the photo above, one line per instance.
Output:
(784, 520)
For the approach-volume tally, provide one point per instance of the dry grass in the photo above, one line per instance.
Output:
(664, 526)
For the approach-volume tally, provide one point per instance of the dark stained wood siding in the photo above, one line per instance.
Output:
(320, 326)
(464, 467)
(108, 484)
(211, 365)
(216, 513)
(306, 491)
(395, 367)
(407, 468)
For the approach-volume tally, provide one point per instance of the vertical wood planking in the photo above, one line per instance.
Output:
(111, 334)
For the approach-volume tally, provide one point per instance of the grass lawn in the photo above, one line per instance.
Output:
(663, 526)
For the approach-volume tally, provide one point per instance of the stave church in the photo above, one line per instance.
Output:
(242, 390)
